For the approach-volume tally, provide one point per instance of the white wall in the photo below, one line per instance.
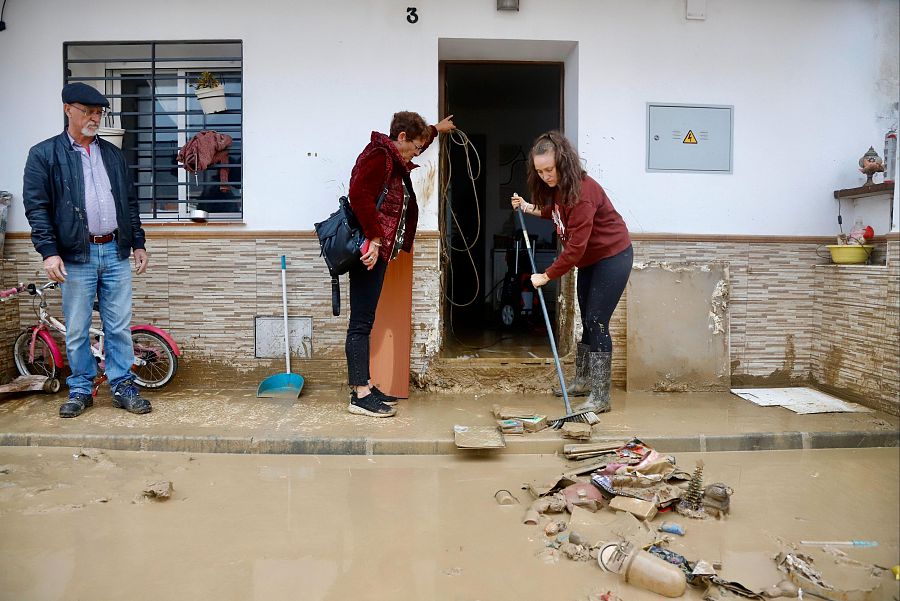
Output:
(813, 83)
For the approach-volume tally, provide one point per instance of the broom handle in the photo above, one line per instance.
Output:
(559, 371)
(287, 346)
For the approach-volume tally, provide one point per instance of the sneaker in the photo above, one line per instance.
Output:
(370, 405)
(385, 398)
(75, 406)
(127, 397)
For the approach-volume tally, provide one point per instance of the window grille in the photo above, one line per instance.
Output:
(151, 93)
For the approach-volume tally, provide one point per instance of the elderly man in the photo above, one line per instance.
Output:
(79, 199)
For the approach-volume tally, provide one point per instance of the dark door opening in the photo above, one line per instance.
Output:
(490, 308)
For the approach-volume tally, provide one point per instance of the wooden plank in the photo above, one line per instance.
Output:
(391, 339)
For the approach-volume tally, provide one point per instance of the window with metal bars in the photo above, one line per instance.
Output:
(151, 89)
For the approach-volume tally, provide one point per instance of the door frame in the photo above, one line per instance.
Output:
(565, 314)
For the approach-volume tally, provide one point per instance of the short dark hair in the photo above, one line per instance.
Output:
(412, 123)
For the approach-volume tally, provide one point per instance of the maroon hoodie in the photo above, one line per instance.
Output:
(380, 165)
(590, 230)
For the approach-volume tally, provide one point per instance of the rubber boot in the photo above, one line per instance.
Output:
(600, 379)
(581, 385)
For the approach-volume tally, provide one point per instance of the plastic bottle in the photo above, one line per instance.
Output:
(642, 569)
(857, 233)
(654, 574)
(890, 156)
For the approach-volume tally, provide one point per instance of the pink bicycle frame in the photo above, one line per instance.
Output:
(42, 332)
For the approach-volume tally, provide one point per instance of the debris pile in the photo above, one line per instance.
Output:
(612, 501)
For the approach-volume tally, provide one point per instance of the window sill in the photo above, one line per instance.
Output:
(860, 266)
(156, 224)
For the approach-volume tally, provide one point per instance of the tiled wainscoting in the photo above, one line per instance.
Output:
(794, 318)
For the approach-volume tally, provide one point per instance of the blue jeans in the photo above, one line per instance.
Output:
(107, 278)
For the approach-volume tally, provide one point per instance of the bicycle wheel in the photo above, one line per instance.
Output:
(155, 362)
(42, 364)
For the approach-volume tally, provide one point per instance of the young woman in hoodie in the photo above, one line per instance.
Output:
(595, 240)
(389, 227)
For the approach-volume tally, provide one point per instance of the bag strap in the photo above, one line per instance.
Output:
(335, 296)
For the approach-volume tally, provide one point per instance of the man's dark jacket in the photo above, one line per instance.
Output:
(53, 194)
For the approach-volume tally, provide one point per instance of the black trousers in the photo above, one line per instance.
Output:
(600, 286)
(365, 290)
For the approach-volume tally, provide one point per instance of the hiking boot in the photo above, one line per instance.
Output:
(75, 406)
(370, 405)
(601, 380)
(385, 398)
(127, 397)
(581, 385)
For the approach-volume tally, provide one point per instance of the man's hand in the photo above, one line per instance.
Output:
(140, 261)
(445, 125)
(539, 279)
(55, 268)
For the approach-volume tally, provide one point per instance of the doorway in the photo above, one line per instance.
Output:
(489, 307)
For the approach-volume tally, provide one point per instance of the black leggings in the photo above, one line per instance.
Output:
(365, 290)
(600, 287)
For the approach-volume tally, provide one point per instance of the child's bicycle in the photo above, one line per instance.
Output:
(36, 353)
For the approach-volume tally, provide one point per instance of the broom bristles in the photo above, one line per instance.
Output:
(584, 417)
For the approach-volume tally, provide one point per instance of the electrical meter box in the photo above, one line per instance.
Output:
(689, 138)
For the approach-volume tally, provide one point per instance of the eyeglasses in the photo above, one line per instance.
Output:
(418, 148)
(97, 112)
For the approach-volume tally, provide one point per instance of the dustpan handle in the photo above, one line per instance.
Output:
(287, 346)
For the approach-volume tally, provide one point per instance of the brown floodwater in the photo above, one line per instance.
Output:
(262, 527)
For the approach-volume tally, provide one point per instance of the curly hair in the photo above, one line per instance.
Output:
(569, 172)
(412, 123)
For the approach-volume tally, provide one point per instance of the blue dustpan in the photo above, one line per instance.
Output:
(286, 385)
(280, 385)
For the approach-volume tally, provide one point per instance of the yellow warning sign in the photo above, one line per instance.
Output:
(689, 138)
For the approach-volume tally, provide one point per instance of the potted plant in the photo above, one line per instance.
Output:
(109, 132)
(210, 93)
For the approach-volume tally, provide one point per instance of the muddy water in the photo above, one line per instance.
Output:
(262, 527)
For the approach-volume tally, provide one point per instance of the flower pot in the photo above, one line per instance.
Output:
(212, 100)
(113, 135)
(850, 254)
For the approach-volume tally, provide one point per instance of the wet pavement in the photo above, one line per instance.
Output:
(229, 418)
(263, 527)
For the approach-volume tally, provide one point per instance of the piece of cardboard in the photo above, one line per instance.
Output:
(642, 510)
(754, 570)
(607, 527)
(510, 426)
(535, 423)
(501, 412)
(577, 430)
(478, 437)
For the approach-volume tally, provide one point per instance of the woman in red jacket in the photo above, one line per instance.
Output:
(595, 240)
(388, 219)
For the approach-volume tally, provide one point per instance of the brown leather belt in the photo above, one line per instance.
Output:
(103, 239)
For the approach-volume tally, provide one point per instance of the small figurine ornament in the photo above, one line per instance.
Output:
(870, 164)
(691, 503)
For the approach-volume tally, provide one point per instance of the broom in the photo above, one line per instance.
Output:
(587, 416)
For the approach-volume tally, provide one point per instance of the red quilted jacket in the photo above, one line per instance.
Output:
(380, 165)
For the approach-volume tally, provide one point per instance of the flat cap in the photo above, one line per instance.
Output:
(83, 94)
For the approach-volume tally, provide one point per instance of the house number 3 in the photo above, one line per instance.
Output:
(411, 15)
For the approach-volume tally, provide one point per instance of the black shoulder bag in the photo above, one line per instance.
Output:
(340, 240)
